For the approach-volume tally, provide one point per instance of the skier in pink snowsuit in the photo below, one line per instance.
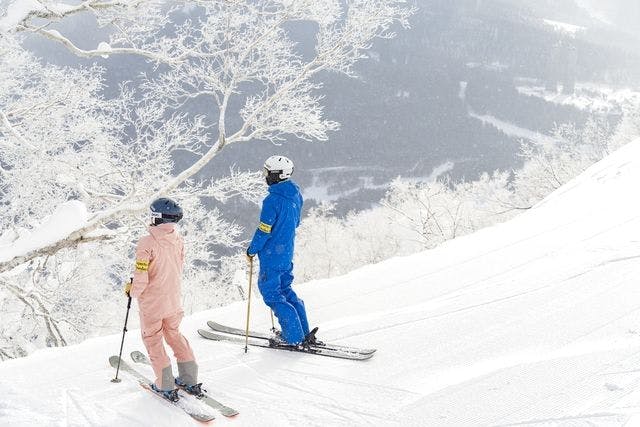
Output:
(156, 285)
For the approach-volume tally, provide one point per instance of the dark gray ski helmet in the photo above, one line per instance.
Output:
(164, 210)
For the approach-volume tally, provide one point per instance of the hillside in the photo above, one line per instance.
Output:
(532, 322)
(402, 114)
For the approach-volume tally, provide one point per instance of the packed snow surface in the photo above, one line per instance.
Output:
(533, 322)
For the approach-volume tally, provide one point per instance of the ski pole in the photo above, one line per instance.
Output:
(246, 341)
(124, 331)
(273, 324)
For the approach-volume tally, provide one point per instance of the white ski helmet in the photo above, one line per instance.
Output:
(277, 169)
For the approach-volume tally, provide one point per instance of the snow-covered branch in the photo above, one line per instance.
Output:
(104, 50)
(20, 11)
(6, 124)
(71, 241)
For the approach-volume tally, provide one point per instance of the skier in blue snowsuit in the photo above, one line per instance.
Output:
(273, 242)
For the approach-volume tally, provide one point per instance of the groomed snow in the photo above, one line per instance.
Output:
(533, 322)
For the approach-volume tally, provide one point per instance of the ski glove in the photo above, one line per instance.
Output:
(249, 256)
(127, 287)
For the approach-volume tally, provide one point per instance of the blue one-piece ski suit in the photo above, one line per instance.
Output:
(273, 241)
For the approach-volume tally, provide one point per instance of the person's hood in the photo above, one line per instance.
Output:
(288, 189)
(166, 231)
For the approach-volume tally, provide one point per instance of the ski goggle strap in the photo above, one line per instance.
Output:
(276, 173)
(154, 216)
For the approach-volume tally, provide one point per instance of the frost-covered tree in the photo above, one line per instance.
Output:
(62, 141)
(433, 212)
(327, 245)
(629, 127)
(414, 216)
(549, 165)
(238, 51)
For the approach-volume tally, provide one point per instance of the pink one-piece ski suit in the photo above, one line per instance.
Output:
(156, 285)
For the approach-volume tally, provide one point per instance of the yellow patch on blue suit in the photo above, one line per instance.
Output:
(265, 228)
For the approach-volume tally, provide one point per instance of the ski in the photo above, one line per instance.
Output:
(140, 357)
(193, 411)
(264, 342)
(237, 331)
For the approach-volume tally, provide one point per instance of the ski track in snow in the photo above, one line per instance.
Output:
(535, 322)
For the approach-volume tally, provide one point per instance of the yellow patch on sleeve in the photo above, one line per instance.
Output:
(266, 228)
(142, 265)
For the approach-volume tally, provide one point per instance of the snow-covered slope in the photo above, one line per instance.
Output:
(533, 322)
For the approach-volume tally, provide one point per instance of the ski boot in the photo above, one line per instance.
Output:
(311, 339)
(194, 390)
(171, 395)
(278, 341)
